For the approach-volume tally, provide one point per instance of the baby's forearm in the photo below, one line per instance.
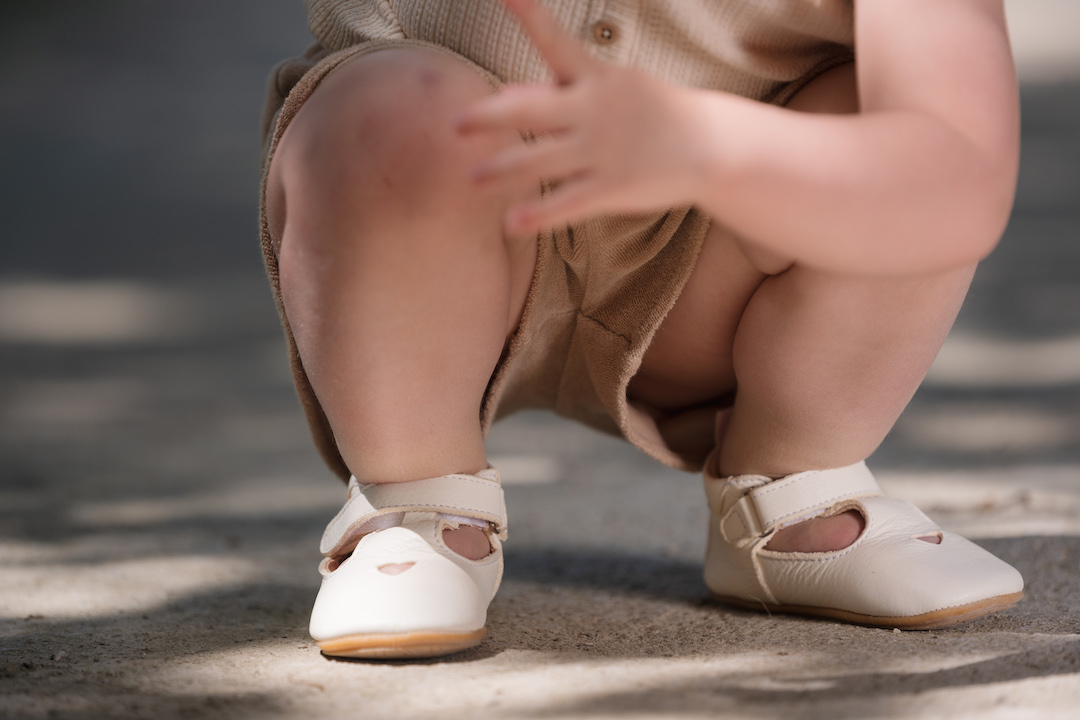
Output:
(921, 180)
(891, 192)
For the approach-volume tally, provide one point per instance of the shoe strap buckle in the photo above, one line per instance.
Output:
(741, 524)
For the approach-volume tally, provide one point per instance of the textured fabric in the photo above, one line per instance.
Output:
(601, 287)
(748, 47)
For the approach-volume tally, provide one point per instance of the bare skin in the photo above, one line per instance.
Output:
(398, 280)
(824, 327)
(920, 181)
(823, 317)
(799, 343)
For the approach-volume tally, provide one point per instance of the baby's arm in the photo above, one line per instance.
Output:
(921, 180)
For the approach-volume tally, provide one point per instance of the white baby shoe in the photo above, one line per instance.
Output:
(888, 577)
(391, 587)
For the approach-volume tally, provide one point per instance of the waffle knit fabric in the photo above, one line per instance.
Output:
(601, 287)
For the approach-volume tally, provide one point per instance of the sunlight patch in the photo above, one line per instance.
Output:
(1045, 36)
(88, 590)
(1009, 502)
(527, 469)
(973, 361)
(256, 498)
(91, 312)
(977, 428)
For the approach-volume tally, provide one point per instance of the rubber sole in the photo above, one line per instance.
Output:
(927, 621)
(401, 646)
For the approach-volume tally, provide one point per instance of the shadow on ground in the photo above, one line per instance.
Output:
(160, 503)
(559, 608)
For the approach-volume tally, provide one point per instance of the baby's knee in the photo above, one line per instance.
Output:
(384, 117)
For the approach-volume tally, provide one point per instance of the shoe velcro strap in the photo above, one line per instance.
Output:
(477, 496)
(766, 508)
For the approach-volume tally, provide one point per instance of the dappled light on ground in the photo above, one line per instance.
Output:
(161, 503)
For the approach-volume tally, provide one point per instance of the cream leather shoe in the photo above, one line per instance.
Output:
(391, 587)
(888, 577)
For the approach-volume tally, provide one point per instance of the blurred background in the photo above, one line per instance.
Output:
(137, 336)
(139, 347)
(150, 440)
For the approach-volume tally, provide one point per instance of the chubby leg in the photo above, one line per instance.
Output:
(826, 364)
(398, 282)
(822, 364)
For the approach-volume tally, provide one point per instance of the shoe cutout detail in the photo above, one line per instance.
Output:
(934, 538)
(395, 568)
(813, 536)
(468, 541)
(882, 579)
(402, 592)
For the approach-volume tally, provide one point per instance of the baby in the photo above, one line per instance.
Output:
(734, 232)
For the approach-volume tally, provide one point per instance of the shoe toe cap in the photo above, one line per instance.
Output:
(895, 574)
(432, 595)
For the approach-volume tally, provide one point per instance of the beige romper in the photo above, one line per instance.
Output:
(601, 287)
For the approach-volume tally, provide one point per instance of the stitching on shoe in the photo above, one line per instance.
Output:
(822, 504)
(470, 478)
(461, 476)
(498, 526)
(498, 520)
(785, 482)
(759, 572)
(404, 508)
(414, 508)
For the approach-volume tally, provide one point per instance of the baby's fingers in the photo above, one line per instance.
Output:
(580, 198)
(566, 58)
(547, 159)
(536, 108)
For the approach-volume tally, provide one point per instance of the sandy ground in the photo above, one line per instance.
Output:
(160, 505)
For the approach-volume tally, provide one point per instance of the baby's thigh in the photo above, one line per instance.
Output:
(690, 360)
(373, 151)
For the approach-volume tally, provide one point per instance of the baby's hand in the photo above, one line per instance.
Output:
(615, 138)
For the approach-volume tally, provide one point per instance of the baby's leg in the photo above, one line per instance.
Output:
(826, 365)
(823, 364)
(398, 282)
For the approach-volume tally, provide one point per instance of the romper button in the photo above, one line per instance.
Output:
(604, 33)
